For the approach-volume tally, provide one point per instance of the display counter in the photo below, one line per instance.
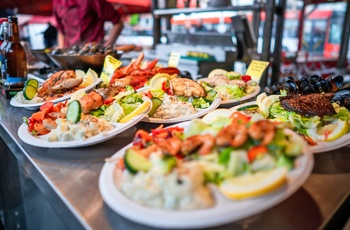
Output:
(44, 188)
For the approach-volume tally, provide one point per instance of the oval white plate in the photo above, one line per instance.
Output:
(35, 106)
(40, 141)
(321, 146)
(200, 112)
(227, 103)
(225, 211)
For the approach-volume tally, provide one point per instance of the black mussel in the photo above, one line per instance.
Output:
(336, 82)
(290, 86)
(314, 78)
(346, 99)
(289, 78)
(76, 48)
(308, 89)
(268, 91)
(57, 51)
(71, 52)
(304, 79)
(321, 86)
(338, 99)
(276, 88)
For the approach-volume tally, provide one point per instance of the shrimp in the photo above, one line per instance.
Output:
(171, 146)
(262, 130)
(49, 124)
(203, 143)
(217, 80)
(91, 101)
(235, 135)
(55, 115)
(148, 150)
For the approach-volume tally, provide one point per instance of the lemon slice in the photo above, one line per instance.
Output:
(79, 73)
(330, 132)
(158, 79)
(89, 78)
(264, 102)
(142, 108)
(77, 95)
(217, 72)
(216, 115)
(252, 185)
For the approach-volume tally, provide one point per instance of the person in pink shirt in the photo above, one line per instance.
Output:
(82, 21)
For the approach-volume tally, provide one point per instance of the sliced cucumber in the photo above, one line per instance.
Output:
(135, 162)
(156, 102)
(29, 92)
(167, 163)
(74, 111)
(248, 107)
(32, 82)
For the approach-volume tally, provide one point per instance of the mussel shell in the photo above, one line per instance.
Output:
(304, 79)
(314, 79)
(308, 89)
(276, 88)
(336, 83)
(322, 86)
(338, 99)
(57, 51)
(291, 86)
(289, 78)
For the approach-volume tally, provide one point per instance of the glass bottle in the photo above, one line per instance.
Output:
(3, 47)
(15, 55)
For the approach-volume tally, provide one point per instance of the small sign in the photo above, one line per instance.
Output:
(174, 59)
(109, 66)
(256, 69)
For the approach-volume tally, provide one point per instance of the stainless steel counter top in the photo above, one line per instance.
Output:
(68, 179)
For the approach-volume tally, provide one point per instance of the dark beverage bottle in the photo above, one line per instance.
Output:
(3, 65)
(16, 60)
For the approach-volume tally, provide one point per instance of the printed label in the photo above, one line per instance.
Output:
(256, 69)
(174, 59)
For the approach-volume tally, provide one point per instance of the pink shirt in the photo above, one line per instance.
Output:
(81, 21)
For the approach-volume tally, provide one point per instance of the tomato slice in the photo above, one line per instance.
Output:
(46, 106)
(240, 118)
(256, 151)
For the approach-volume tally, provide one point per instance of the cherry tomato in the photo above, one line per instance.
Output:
(241, 118)
(246, 78)
(166, 88)
(47, 105)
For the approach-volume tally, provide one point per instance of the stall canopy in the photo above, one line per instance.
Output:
(44, 7)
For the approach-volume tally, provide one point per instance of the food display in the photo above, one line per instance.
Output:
(58, 87)
(176, 98)
(231, 87)
(319, 116)
(197, 165)
(87, 49)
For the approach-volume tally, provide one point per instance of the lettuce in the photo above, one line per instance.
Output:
(230, 91)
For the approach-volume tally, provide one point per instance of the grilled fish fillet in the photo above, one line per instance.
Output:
(187, 87)
(309, 105)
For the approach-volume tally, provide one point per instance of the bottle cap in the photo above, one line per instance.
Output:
(3, 20)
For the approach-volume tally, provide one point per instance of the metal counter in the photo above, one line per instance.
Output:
(43, 188)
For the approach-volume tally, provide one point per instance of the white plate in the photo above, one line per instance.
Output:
(226, 103)
(200, 112)
(321, 146)
(35, 106)
(225, 211)
(40, 141)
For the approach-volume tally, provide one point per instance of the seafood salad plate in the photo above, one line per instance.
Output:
(231, 87)
(84, 120)
(323, 123)
(176, 99)
(205, 172)
(58, 87)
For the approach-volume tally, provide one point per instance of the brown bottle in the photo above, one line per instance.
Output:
(16, 61)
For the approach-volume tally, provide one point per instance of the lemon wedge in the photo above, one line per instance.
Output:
(217, 72)
(89, 78)
(77, 95)
(264, 102)
(215, 115)
(252, 185)
(158, 79)
(79, 73)
(142, 108)
(330, 132)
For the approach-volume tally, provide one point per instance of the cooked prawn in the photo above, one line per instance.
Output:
(203, 143)
(235, 135)
(49, 124)
(262, 130)
(91, 101)
(171, 146)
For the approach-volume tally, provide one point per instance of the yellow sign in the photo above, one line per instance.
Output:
(256, 69)
(109, 66)
(174, 59)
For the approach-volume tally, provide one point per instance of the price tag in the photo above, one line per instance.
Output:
(109, 66)
(174, 59)
(256, 69)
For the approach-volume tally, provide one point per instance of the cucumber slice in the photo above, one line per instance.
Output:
(74, 111)
(167, 163)
(32, 82)
(156, 102)
(248, 107)
(135, 162)
(29, 92)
